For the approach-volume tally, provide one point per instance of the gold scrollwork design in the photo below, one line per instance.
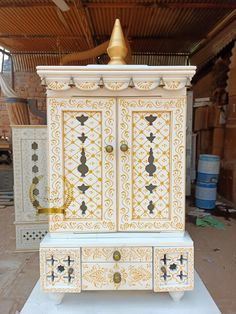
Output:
(86, 85)
(51, 210)
(172, 85)
(55, 85)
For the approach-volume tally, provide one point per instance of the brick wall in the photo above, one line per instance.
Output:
(26, 85)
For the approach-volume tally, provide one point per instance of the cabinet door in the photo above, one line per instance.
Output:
(82, 169)
(152, 169)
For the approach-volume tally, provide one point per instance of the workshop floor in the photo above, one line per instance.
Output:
(215, 261)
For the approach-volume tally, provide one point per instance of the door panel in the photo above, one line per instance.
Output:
(81, 168)
(151, 173)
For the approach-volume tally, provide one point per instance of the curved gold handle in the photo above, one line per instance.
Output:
(124, 147)
(109, 148)
(117, 277)
(116, 256)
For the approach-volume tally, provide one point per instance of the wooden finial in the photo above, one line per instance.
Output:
(117, 49)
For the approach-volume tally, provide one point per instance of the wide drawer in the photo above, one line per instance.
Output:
(117, 254)
(117, 276)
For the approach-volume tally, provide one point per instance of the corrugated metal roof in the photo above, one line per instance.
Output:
(155, 27)
(29, 61)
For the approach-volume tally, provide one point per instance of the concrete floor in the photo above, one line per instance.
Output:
(215, 261)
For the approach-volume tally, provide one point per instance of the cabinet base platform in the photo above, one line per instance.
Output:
(106, 263)
(116, 302)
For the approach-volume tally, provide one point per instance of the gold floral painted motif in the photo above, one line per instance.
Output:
(115, 86)
(145, 85)
(55, 85)
(140, 254)
(173, 269)
(87, 85)
(100, 276)
(172, 85)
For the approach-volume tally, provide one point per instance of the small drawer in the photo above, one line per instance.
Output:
(110, 276)
(117, 254)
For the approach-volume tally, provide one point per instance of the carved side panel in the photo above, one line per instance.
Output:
(151, 173)
(109, 276)
(173, 269)
(60, 270)
(79, 131)
(30, 165)
(29, 236)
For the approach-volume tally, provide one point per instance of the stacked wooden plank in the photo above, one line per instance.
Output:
(227, 184)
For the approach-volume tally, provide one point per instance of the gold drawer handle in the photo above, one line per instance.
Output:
(109, 148)
(124, 147)
(117, 277)
(116, 256)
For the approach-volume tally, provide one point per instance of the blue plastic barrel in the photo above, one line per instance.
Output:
(205, 195)
(208, 168)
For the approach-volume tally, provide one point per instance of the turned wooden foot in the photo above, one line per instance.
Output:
(176, 295)
(56, 297)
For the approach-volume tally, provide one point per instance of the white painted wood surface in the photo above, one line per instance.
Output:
(127, 302)
(126, 205)
(30, 227)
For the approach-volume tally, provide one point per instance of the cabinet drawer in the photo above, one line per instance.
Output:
(113, 276)
(117, 254)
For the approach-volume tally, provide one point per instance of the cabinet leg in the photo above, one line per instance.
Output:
(56, 297)
(176, 295)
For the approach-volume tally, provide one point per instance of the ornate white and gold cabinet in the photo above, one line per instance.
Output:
(30, 169)
(117, 180)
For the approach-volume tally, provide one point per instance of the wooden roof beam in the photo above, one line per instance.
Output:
(157, 5)
(84, 23)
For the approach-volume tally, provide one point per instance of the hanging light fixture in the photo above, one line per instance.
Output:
(101, 82)
(188, 83)
(71, 82)
(131, 83)
(161, 83)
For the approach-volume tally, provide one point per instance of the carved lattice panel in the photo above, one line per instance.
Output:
(173, 269)
(30, 166)
(151, 164)
(79, 131)
(60, 270)
(83, 157)
(151, 171)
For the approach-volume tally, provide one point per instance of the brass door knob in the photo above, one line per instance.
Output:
(117, 277)
(124, 147)
(116, 256)
(109, 148)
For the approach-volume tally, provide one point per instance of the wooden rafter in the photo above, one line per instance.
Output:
(83, 21)
(124, 5)
(154, 4)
